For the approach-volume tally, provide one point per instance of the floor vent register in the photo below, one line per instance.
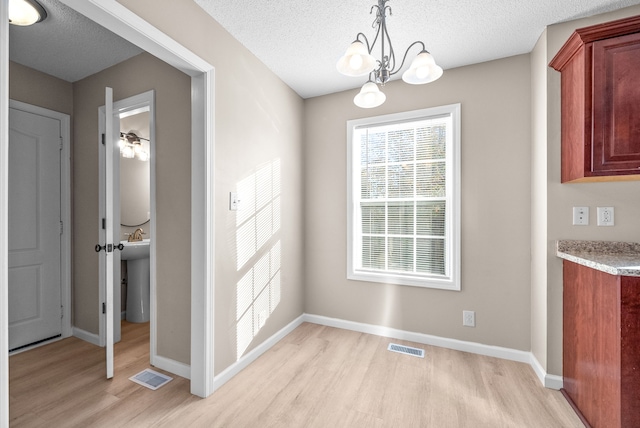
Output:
(416, 352)
(151, 379)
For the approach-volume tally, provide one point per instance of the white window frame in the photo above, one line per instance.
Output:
(451, 279)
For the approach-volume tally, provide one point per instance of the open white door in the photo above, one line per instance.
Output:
(108, 103)
(110, 231)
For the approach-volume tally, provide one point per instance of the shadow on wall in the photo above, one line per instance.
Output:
(257, 251)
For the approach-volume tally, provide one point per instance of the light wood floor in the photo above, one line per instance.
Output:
(315, 377)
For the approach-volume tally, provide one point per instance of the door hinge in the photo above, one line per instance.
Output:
(61, 312)
(104, 308)
(61, 144)
(104, 223)
(104, 139)
(61, 227)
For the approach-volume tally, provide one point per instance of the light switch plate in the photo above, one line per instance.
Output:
(233, 201)
(605, 216)
(580, 216)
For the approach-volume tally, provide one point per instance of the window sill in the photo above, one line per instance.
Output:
(396, 279)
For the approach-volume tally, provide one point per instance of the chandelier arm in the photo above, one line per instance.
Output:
(407, 53)
(366, 41)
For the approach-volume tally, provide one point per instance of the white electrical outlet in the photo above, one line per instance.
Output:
(580, 216)
(605, 216)
(469, 318)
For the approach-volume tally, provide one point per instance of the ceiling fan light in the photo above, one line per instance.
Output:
(25, 12)
(423, 70)
(369, 96)
(356, 61)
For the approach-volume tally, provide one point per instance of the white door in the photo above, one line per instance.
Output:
(110, 231)
(35, 310)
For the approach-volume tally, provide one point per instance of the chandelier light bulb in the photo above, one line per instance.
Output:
(423, 70)
(369, 96)
(356, 61)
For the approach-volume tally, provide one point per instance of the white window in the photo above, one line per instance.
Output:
(404, 198)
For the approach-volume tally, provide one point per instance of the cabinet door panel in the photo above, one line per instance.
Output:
(616, 110)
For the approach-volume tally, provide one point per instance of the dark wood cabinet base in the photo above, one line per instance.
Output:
(575, 408)
(601, 345)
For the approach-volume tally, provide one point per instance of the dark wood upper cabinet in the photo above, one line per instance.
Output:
(600, 99)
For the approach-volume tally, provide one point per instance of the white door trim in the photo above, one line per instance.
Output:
(65, 204)
(4, 213)
(120, 20)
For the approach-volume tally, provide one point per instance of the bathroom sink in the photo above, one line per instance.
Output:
(135, 250)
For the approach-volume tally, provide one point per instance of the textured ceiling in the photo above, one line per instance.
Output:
(67, 44)
(301, 40)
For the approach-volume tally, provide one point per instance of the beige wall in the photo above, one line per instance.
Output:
(562, 197)
(258, 119)
(39, 89)
(539, 200)
(173, 180)
(496, 239)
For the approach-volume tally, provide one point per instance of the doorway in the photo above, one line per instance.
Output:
(119, 19)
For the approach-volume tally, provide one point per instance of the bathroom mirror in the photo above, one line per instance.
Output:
(135, 175)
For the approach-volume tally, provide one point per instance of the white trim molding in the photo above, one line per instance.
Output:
(4, 213)
(117, 18)
(86, 336)
(172, 366)
(549, 381)
(227, 374)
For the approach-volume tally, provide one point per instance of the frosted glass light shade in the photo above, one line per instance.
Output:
(25, 12)
(127, 152)
(369, 96)
(356, 61)
(423, 70)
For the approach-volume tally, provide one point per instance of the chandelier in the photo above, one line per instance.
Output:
(358, 61)
(131, 147)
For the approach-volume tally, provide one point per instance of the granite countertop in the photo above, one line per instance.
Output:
(616, 258)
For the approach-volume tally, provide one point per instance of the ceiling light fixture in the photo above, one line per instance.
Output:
(26, 12)
(131, 146)
(358, 61)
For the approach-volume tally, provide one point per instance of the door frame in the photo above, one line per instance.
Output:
(121, 20)
(65, 210)
(146, 101)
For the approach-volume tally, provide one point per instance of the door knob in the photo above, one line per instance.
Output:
(100, 247)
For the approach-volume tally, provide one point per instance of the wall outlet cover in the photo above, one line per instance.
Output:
(605, 216)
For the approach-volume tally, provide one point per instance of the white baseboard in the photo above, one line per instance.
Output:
(86, 336)
(549, 381)
(172, 366)
(250, 357)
